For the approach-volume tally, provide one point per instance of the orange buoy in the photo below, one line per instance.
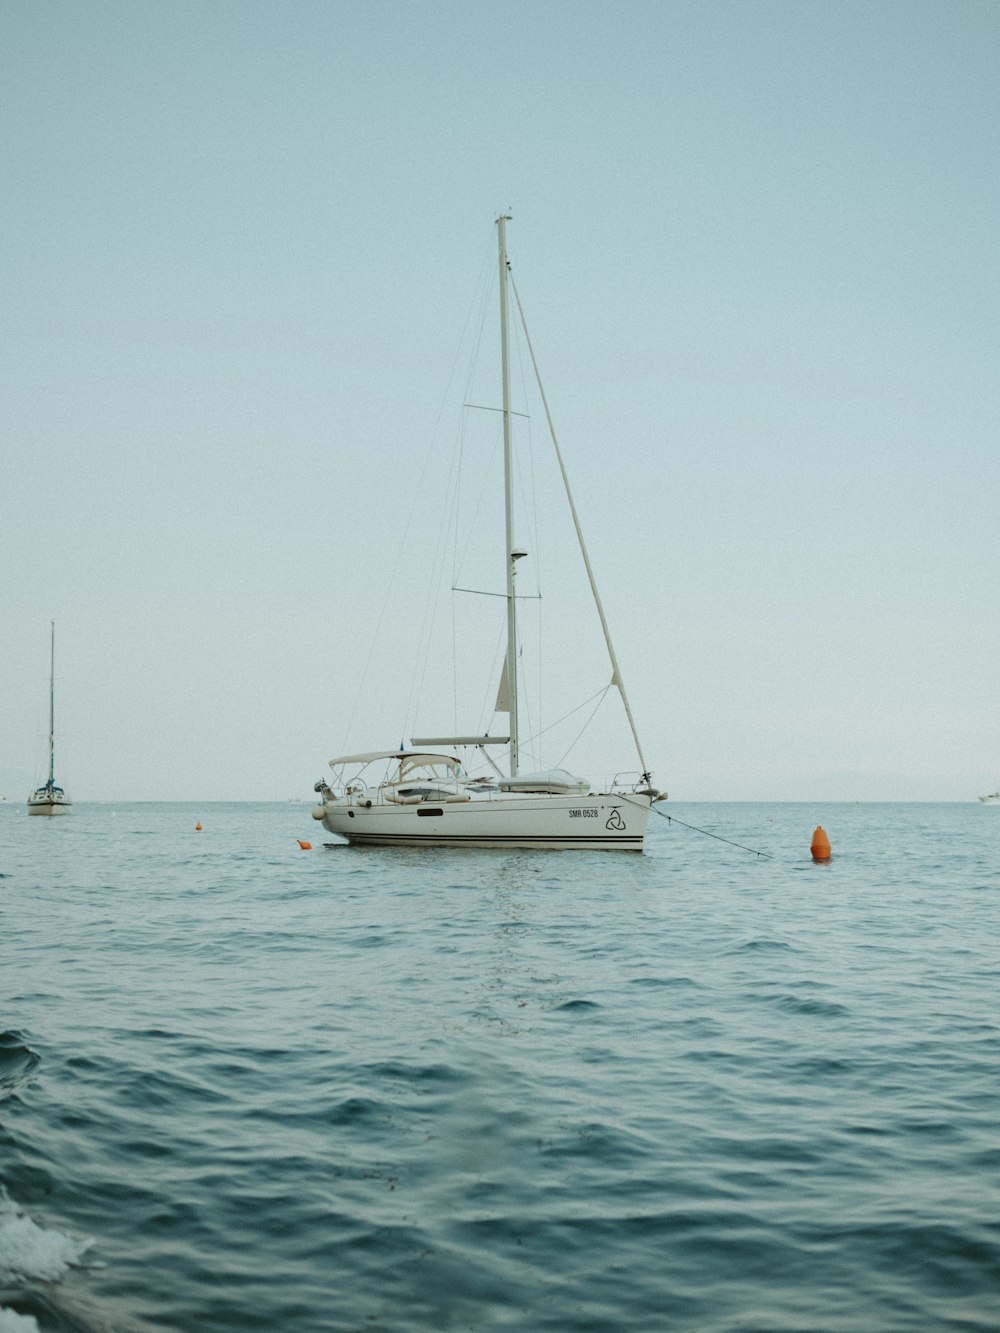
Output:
(306, 846)
(198, 826)
(820, 846)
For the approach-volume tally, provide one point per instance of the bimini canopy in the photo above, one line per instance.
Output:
(412, 756)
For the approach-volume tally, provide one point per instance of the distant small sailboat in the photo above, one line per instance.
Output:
(992, 799)
(50, 799)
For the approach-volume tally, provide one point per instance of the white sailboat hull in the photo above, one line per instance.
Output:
(44, 803)
(595, 822)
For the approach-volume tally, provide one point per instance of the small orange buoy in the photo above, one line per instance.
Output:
(820, 846)
(306, 846)
(198, 826)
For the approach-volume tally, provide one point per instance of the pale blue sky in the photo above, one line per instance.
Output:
(758, 247)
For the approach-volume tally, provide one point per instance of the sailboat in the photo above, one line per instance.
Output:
(50, 799)
(422, 794)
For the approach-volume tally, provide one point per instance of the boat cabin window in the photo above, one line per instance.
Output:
(440, 768)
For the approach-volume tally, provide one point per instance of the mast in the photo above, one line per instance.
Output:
(508, 489)
(52, 705)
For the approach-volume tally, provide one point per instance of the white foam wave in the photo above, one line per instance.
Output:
(29, 1251)
(12, 1322)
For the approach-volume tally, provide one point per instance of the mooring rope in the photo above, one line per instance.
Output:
(694, 829)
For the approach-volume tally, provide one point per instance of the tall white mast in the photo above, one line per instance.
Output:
(52, 704)
(508, 480)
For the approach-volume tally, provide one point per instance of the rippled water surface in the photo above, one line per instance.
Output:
(246, 1086)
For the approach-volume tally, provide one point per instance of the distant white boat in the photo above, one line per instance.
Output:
(422, 796)
(992, 799)
(50, 799)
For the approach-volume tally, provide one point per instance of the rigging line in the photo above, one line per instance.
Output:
(599, 695)
(566, 716)
(487, 282)
(695, 829)
(603, 695)
(478, 407)
(528, 489)
(457, 465)
(432, 602)
(616, 674)
(483, 479)
(482, 592)
(457, 474)
(486, 285)
(485, 270)
(439, 559)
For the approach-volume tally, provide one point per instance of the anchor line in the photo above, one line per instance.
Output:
(718, 837)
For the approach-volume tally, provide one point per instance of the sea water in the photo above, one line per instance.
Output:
(249, 1086)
